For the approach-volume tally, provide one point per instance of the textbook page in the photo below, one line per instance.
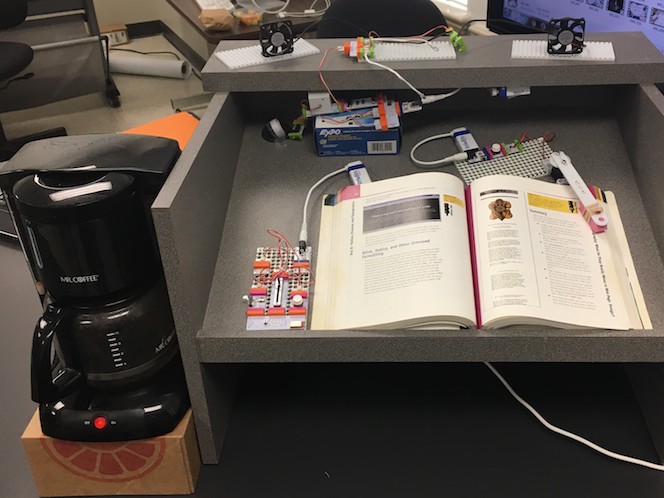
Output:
(538, 262)
(395, 253)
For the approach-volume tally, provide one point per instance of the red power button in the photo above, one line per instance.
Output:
(100, 422)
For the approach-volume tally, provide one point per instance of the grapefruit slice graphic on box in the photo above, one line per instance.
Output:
(107, 462)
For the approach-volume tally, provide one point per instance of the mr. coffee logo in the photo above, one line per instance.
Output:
(80, 279)
(326, 133)
(164, 342)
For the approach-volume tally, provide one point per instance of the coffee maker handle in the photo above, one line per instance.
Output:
(45, 388)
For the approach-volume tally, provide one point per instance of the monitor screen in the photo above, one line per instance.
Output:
(531, 16)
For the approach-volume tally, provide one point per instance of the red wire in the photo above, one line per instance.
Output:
(347, 119)
(440, 26)
(283, 253)
(322, 80)
(429, 31)
(548, 136)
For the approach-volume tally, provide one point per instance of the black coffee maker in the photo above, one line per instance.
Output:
(105, 362)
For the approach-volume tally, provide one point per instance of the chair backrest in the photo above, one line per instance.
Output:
(351, 18)
(12, 13)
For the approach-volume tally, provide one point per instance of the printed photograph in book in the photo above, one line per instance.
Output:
(420, 251)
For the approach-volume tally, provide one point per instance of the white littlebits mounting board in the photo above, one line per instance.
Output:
(529, 163)
(394, 52)
(536, 49)
(279, 295)
(252, 56)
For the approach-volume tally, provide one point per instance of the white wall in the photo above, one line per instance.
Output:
(134, 11)
(477, 8)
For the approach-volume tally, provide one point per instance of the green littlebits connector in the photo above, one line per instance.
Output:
(457, 41)
(519, 145)
(298, 125)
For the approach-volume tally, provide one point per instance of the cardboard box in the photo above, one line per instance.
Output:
(359, 132)
(162, 465)
(117, 34)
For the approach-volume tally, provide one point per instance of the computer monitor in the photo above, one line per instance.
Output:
(532, 16)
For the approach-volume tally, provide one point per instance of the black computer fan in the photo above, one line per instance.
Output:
(566, 35)
(276, 38)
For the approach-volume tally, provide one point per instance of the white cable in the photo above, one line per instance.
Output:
(415, 41)
(366, 58)
(281, 9)
(426, 99)
(302, 15)
(303, 229)
(461, 156)
(571, 435)
(307, 13)
(418, 41)
(430, 99)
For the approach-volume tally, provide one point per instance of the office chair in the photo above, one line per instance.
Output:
(14, 59)
(351, 18)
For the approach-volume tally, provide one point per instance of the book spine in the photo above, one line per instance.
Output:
(473, 256)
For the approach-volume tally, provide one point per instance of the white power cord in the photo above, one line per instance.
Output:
(414, 40)
(310, 12)
(430, 99)
(570, 435)
(387, 68)
(280, 9)
(426, 99)
(303, 229)
(459, 157)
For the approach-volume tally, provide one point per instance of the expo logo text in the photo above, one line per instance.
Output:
(327, 133)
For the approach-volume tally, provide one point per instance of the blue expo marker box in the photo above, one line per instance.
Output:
(359, 132)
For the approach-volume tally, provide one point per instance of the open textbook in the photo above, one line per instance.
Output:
(422, 251)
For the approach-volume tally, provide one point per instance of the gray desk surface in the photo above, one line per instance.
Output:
(267, 193)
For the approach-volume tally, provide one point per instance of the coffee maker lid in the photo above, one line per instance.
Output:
(78, 197)
(147, 158)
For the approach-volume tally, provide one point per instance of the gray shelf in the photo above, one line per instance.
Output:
(268, 192)
(229, 186)
(487, 62)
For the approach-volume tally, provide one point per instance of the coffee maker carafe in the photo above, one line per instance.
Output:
(105, 363)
